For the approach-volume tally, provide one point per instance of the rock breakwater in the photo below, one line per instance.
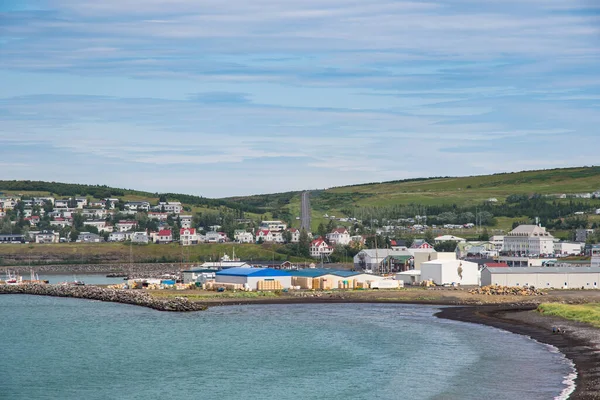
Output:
(134, 297)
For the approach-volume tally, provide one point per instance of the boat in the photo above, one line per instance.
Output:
(12, 279)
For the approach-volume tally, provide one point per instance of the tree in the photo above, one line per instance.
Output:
(74, 235)
(446, 246)
(429, 236)
(304, 244)
(321, 230)
(485, 236)
(287, 236)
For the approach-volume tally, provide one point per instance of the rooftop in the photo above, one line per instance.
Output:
(252, 272)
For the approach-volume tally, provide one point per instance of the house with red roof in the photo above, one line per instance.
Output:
(188, 236)
(265, 235)
(164, 236)
(319, 247)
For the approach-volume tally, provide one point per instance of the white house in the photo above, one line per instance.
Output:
(186, 221)
(62, 222)
(265, 235)
(274, 226)
(81, 202)
(295, 235)
(159, 216)
(96, 213)
(139, 237)
(241, 236)
(188, 236)
(449, 238)
(339, 236)
(119, 236)
(47, 237)
(320, 248)
(171, 207)
(137, 206)
(125, 226)
(215, 237)
(87, 237)
(62, 203)
(101, 225)
(529, 239)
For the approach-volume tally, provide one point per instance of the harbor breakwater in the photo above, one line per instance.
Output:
(131, 296)
(145, 270)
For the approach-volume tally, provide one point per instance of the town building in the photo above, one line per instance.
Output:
(320, 248)
(137, 206)
(568, 248)
(371, 259)
(12, 238)
(339, 237)
(87, 237)
(216, 237)
(62, 222)
(264, 236)
(101, 225)
(448, 272)
(581, 235)
(498, 242)
(47, 237)
(274, 226)
(529, 239)
(119, 236)
(164, 236)
(327, 279)
(595, 260)
(140, 237)
(254, 278)
(543, 277)
(188, 236)
(159, 216)
(125, 226)
(242, 236)
(171, 207)
(295, 235)
(185, 221)
(448, 238)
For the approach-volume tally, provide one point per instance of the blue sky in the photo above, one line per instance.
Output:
(221, 98)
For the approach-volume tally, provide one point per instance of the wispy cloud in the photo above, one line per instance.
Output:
(273, 95)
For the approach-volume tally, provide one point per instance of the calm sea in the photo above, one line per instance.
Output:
(57, 348)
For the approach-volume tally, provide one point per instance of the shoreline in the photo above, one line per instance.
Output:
(583, 352)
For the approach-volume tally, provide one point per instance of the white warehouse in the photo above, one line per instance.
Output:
(543, 277)
(447, 272)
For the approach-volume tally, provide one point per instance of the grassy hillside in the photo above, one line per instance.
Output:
(84, 253)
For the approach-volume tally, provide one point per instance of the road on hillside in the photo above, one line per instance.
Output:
(305, 211)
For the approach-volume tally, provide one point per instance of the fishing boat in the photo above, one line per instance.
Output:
(13, 279)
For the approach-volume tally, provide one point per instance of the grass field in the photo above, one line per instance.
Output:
(588, 313)
(11, 254)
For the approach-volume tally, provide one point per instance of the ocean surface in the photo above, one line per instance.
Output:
(59, 348)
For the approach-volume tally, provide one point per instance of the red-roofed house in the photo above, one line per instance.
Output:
(319, 247)
(188, 236)
(339, 236)
(265, 235)
(164, 236)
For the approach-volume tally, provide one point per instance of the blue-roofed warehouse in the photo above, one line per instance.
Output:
(256, 278)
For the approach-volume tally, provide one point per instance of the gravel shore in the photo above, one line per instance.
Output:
(149, 270)
(579, 342)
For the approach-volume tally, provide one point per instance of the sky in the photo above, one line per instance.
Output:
(223, 98)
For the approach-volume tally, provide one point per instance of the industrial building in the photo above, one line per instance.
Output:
(448, 272)
(543, 277)
(326, 279)
(201, 275)
(255, 278)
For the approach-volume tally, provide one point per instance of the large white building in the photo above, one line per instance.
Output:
(529, 239)
(543, 277)
(449, 238)
(273, 226)
(339, 236)
(447, 272)
(188, 236)
(242, 236)
(567, 248)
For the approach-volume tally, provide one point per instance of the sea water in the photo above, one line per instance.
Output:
(59, 348)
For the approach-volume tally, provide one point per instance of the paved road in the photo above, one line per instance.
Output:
(305, 211)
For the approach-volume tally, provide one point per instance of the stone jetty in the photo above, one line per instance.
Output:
(125, 296)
